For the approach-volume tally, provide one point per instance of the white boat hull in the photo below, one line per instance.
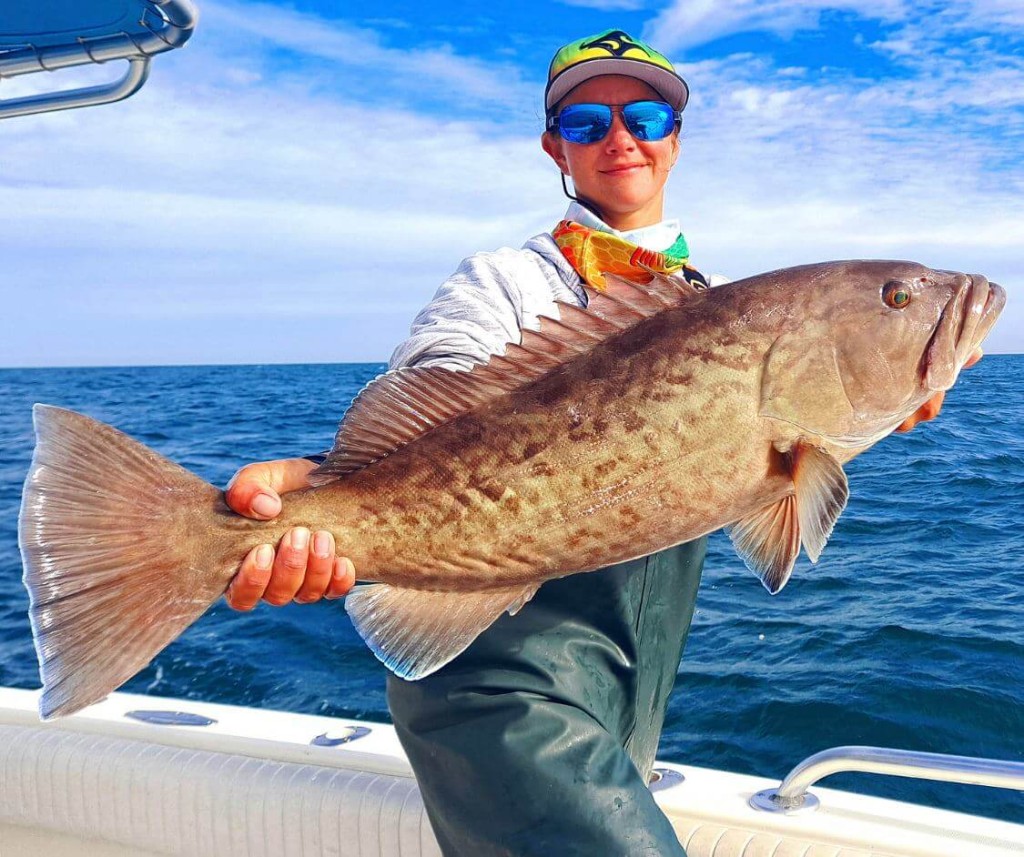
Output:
(251, 784)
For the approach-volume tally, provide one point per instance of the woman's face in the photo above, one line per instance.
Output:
(622, 176)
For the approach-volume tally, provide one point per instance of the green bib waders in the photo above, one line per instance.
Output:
(539, 739)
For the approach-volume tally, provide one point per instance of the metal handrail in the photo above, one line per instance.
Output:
(792, 796)
(165, 25)
(90, 96)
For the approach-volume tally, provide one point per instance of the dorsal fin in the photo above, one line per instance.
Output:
(403, 404)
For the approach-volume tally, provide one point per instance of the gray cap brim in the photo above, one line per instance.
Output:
(670, 86)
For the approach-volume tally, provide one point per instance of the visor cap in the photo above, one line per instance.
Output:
(613, 52)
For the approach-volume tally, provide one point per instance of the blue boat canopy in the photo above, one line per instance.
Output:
(48, 35)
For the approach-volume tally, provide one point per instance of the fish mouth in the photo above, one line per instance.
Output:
(965, 322)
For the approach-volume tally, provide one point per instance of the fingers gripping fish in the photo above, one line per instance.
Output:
(657, 414)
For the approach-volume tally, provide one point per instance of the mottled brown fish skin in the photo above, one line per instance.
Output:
(654, 438)
(734, 406)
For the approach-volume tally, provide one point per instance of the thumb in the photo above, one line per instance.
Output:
(252, 492)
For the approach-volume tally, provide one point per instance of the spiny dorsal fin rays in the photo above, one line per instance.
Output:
(401, 405)
(559, 346)
(769, 538)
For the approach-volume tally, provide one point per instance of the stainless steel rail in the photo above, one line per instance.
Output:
(160, 25)
(792, 795)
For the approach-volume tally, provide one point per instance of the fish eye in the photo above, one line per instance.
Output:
(896, 295)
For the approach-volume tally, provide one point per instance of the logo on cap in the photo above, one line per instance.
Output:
(616, 42)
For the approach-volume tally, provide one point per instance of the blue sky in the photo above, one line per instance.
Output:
(293, 185)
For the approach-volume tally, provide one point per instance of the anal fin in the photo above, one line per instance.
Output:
(415, 632)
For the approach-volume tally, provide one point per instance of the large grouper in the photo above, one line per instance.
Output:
(657, 414)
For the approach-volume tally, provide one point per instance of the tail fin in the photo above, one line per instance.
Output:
(111, 538)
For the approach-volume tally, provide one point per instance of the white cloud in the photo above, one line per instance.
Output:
(361, 55)
(607, 5)
(208, 202)
(1009, 13)
(777, 171)
(686, 23)
(928, 164)
(232, 213)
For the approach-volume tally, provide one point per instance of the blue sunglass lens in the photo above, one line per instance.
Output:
(649, 120)
(585, 123)
(588, 123)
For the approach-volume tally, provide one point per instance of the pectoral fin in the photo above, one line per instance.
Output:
(821, 495)
(769, 539)
(415, 632)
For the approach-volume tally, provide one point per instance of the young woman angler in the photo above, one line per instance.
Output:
(539, 739)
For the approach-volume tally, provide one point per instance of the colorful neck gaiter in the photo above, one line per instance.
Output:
(594, 253)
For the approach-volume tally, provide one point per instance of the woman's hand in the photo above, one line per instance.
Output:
(304, 568)
(930, 409)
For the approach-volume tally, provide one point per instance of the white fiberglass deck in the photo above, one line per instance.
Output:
(272, 784)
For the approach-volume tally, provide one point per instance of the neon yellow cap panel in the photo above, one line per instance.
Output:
(613, 52)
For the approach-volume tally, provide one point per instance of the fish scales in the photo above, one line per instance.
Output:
(610, 424)
(656, 415)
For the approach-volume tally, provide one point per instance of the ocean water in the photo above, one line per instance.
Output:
(908, 633)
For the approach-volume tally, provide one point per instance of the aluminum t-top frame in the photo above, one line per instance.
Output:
(47, 35)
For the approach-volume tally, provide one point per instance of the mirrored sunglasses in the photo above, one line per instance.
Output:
(590, 123)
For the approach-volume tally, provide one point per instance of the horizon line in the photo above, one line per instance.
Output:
(278, 363)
